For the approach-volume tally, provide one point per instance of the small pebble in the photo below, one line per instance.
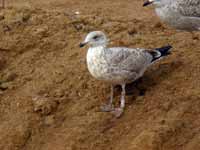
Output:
(77, 13)
(49, 120)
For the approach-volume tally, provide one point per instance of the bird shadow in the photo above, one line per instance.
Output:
(151, 78)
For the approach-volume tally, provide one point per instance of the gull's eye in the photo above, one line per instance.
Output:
(96, 37)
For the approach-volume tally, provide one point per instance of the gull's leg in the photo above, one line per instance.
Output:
(109, 106)
(118, 111)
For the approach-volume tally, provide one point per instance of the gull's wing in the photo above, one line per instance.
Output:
(133, 60)
(190, 8)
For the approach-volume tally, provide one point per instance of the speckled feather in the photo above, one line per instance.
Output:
(180, 14)
(127, 58)
(118, 64)
(189, 7)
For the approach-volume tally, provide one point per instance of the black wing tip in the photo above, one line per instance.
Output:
(164, 51)
(166, 47)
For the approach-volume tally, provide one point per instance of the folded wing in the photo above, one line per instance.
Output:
(133, 60)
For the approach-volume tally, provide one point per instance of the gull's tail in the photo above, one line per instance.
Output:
(158, 53)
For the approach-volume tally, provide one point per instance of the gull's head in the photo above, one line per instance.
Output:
(94, 39)
(157, 3)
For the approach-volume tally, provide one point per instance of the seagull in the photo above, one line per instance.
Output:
(118, 65)
(180, 14)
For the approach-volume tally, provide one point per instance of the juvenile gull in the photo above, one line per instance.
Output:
(118, 65)
(180, 14)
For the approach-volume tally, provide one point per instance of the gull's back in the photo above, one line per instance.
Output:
(127, 63)
(127, 58)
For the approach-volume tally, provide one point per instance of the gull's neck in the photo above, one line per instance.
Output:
(167, 13)
(97, 49)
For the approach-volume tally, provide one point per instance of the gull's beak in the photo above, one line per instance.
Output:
(83, 44)
(148, 2)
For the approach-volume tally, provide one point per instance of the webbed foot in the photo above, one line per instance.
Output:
(117, 112)
(107, 108)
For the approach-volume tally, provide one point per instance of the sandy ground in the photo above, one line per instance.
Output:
(49, 101)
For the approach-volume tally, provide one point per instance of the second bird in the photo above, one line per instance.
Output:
(118, 65)
(180, 14)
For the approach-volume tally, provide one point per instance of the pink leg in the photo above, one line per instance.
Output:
(109, 106)
(119, 111)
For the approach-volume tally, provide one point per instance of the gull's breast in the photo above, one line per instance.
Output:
(96, 64)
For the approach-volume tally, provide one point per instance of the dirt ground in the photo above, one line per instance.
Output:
(49, 101)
